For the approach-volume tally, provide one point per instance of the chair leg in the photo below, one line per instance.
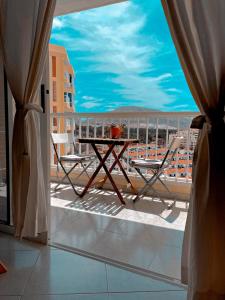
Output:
(165, 186)
(149, 184)
(141, 192)
(85, 169)
(170, 206)
(57, 174)
(65, 176)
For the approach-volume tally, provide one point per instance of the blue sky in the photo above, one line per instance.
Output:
(123, 55)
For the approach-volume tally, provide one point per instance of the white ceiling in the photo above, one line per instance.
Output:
(68, 6)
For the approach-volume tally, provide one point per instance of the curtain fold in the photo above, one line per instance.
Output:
(198, 31)
(25, 28)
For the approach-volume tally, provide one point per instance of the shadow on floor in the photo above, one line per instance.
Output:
(106, 202)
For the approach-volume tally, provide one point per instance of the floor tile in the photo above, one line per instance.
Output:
(20, 265)
(61, 272)
(10, 298)
(167, 261)
(120, 280)
(8, 242)
(76, 235)
(133, 250)
(164, 236)
(149, 296)
(67, 297)
(85, 231)
(97, 222)
(58, 217)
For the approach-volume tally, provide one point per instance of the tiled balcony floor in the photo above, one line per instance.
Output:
(144, 235)
(44, 273)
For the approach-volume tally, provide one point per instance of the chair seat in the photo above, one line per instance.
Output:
(71, 158)
(147, 163)
(75, 158)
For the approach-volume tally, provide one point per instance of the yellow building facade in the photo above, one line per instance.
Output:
(62, 90)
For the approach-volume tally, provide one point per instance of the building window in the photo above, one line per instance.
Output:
(70, 98)
(66, 74)
(65, 97)
(54, 95)
(55, 122)
(68, 78)
(71, 79)
(53, 66)
(68, 122)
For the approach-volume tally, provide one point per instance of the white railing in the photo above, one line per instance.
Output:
(153, 129)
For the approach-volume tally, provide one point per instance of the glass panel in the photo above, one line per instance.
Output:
(3, 166)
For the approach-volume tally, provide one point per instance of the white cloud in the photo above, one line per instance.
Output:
(145, 90)
(90, 104)
(88, 98)
(183, 106)
(174, 90)
(57, 23)
(113, 42)
(162, 77)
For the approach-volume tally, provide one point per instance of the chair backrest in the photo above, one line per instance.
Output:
(176, 143)
(62, 138)
(172, 150)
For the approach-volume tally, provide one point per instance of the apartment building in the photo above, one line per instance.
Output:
(62, 90)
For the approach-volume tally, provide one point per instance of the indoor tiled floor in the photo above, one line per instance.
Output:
(43, 273)
(144, 235)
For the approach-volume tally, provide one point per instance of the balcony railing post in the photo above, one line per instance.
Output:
(146, 137)
(188, 153)
(137, 136)
(80, 134)
(177, 154)
(156, 137)
(87, 135)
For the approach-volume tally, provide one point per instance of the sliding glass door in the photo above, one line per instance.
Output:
(4, 153)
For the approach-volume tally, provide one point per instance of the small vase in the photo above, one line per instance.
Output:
(116, 132)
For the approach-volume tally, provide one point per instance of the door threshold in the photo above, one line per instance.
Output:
(127, 267)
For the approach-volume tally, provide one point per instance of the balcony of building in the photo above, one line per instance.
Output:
(146, 235)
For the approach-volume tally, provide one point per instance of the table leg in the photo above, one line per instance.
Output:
(102, 161)
(102, 182)
(117, 161)
(124, 172)
(107, 171)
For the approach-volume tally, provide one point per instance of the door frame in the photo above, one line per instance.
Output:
(45, 141)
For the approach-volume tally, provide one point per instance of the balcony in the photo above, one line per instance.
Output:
(145, 235)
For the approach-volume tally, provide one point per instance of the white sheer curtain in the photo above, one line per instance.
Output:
(198, 31)
(25, 27)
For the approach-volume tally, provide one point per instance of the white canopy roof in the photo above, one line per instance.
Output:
(68, 6)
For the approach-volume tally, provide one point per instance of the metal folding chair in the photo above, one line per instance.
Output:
(74, 160)
(157, 168)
